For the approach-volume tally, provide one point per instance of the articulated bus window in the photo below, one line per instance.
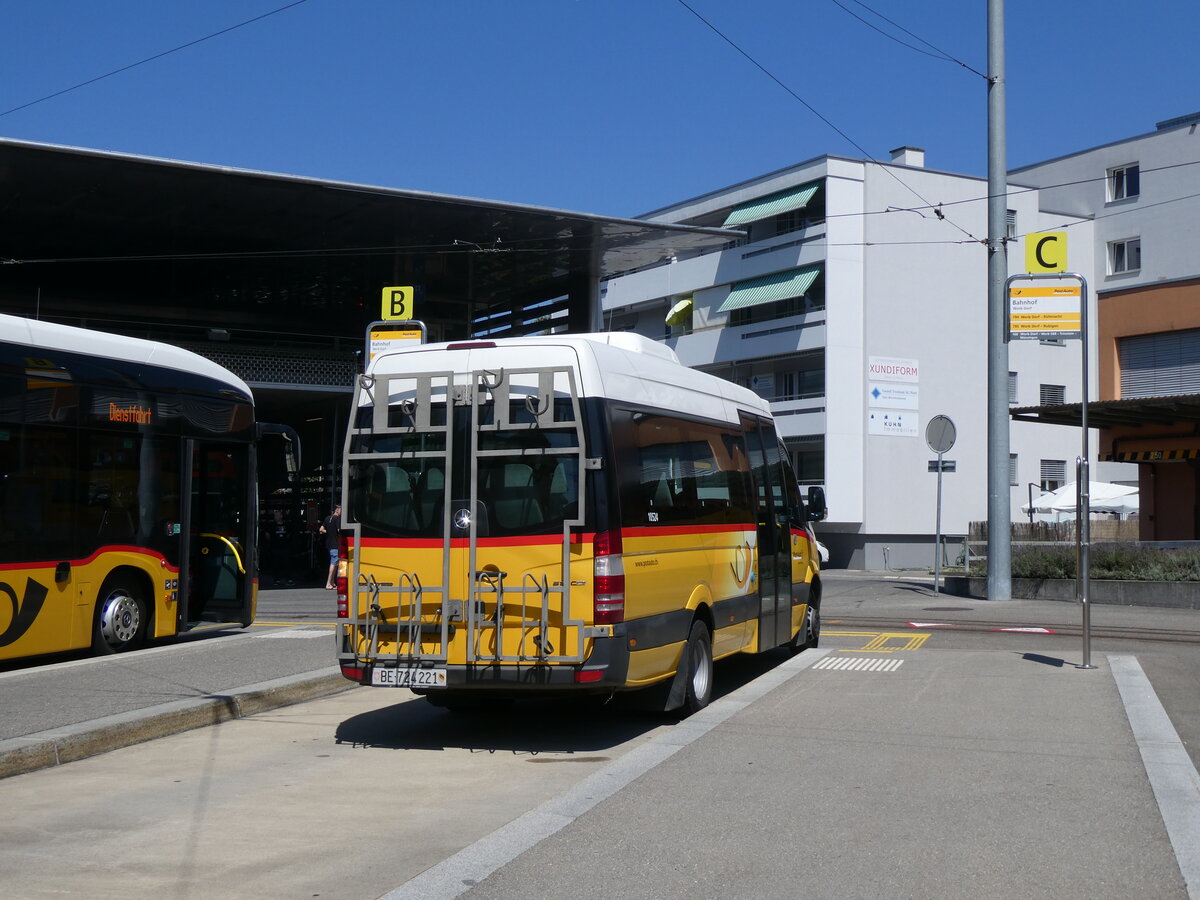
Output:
(37, 493)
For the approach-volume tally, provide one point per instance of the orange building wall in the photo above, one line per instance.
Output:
(1170, 491)
(1144, 310)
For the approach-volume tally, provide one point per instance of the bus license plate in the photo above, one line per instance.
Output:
(408, 677)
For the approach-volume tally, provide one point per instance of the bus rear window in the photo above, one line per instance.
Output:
(398, 498)
(515, 496)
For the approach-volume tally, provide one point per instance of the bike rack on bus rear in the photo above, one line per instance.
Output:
(506, 400)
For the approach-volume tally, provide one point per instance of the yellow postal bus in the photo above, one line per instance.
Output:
(566, 514)
(127, 491)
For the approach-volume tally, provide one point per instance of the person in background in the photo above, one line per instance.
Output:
(330, 528)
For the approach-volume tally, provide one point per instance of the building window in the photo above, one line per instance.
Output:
(795, 220)
(1054, 474)
(1124, 182)
(811, 301)
(1010, 225)
(1012, 388)
(1159, 365)
(1053, 394)
(1012, 469)
(808, 460)
(1124, 256)
(801, 384)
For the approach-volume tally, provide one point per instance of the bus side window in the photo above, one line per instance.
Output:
(795, 502)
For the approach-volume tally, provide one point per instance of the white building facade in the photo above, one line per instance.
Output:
(857, 304)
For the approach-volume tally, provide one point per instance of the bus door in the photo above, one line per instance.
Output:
(217, 570)
(774, 535)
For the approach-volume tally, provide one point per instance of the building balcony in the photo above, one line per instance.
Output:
(799, 418)
(778, 337)
(700, 273)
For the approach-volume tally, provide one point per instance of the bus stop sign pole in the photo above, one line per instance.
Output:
(1062, 312)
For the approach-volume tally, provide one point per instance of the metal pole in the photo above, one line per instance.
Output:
(1083, 482)
(999, 564)
(937, 541)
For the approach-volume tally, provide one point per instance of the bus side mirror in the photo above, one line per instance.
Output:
(816, 503)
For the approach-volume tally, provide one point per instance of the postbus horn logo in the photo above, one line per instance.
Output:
(23, 613)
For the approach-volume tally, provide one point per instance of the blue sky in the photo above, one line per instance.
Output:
(615, 107)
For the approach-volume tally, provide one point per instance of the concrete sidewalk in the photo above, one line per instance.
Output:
(957, 773)
(64, 744)
(70, 710)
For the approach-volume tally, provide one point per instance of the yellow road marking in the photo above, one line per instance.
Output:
(881, 641)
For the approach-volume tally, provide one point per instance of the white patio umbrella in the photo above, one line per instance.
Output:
(1102, 497)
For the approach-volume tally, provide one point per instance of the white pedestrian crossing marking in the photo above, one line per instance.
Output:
(859, 664)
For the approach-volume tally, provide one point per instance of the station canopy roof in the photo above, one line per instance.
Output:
(1137, 411)
(102, 236)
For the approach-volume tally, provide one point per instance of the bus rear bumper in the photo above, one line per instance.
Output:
(604, 671)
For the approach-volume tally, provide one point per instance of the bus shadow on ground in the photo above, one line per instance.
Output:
(569, 726)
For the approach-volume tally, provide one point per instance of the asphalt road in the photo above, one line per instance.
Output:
(921, 751)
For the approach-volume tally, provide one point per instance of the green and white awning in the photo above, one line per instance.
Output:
(769, 288)
(772, 205)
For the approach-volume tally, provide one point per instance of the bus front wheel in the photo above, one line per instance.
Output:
(120, 619)
(697, 656)
(809, 634)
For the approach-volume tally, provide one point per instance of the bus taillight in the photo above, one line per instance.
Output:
(608, 579)
(343, 581)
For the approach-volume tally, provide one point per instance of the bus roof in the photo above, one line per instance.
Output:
(614, 365)
(104, 345)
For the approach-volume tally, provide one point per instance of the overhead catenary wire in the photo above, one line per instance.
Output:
(938, 52)
(814, 111)
(149, 59)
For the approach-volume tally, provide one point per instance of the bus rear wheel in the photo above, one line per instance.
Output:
(697, 656)
(120, 619)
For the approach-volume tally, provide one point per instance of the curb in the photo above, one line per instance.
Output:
(63, 745)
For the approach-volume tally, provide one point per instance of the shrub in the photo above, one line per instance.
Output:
(1125, 562)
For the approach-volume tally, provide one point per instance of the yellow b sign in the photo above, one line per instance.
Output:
(1046, 252)
(397, 303)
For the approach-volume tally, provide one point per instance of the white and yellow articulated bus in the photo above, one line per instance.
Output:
(563, 514)
(128, 503)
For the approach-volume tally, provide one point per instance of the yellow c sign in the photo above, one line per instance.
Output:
(1046, 252)
(397, 303)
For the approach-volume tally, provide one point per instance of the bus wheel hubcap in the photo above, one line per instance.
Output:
(701, 672)
(120, 620)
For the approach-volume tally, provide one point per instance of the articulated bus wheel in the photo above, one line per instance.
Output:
(120, 619)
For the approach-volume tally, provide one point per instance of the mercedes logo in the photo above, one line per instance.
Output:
(462, 519)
